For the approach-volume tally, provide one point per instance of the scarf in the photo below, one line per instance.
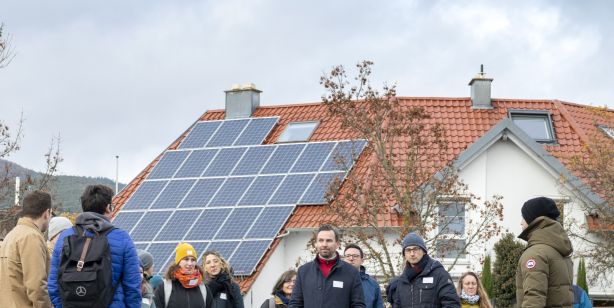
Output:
(469, 299)
(283, 297)
(220, 283)
(188, 281)
(412, 271)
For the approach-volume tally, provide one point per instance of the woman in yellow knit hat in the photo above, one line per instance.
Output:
(183, 285)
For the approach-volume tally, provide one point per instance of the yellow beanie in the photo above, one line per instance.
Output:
(184, 250)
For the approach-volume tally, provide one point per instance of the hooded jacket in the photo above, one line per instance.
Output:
(24, 264)
(124, 259)
(544, 275)
(433, 287)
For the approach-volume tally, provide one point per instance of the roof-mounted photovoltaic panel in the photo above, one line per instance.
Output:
(228, 132)
(234, 197)
(200, 135)
(168, 165)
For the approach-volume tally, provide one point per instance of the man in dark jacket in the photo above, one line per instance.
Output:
(96, 217)
(544, 276)
(373, 297)
(327, 282)
(424, 282)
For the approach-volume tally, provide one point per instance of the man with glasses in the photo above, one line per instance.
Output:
(373, 298)
(327, 282)
(424, 282)
(24, 260)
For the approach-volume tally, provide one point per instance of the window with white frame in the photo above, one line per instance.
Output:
(537, 124)
(298, 131)
(451, 227)
(607, 130)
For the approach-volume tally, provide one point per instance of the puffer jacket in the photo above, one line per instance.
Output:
(124, 259)
(544, 275)
(24, 264)
(433, 287)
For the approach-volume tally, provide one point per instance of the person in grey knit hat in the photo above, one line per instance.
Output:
(146, 260)
(424, 282)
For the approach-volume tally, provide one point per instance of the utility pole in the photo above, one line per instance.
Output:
(17, 190)
(116, 174)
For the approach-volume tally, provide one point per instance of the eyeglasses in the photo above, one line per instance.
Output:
(352, 256)
(412, 250)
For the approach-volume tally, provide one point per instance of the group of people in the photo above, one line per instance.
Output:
(94, 264)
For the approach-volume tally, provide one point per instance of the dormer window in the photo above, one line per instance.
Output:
(537, 124)
(298, 131)
(607, 130)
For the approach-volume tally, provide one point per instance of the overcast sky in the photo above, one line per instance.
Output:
(128, 77)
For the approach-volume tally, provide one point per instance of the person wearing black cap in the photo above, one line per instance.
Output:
(424, 282)
(544, 275)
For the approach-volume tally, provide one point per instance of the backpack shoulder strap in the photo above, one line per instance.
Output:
(203, 291)
(168, 288)
(272, 302)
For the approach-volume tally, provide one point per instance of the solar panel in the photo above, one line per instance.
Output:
(313, 157)
(270, 221)
(168, 165)
(256, 131)
(196, 163)
(200, 134)
(253, 160)
(291, 189)
(202, 192)
(261, 190)
(247, 255)
(141, 246)
(343, 156)
(172, 194)
(231, 191)
(225, 248)
(227, 133)
(224, 162)
(283, 158)
(200, 248)
(207, 224)
(178, 225)
(225, 190)
(162, 252)
(316, 194)
(127, 220)
(144, 195)
(147, 228)
(238, 223)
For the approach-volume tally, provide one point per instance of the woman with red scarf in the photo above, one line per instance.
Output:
(183, 285)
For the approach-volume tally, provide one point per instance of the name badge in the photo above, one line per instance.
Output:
(193, 282)
(223, 296)
(146, 301)
(337, 284)
(427, 280)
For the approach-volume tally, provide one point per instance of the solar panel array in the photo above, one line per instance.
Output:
(223, 190)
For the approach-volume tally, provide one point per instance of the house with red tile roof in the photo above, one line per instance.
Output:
(515, 148)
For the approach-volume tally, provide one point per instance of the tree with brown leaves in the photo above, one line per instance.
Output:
(407, 175)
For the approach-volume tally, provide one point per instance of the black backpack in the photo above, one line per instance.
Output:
(85, 276)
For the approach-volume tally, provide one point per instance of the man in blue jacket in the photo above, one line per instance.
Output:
(424, 282)
(96, 216)
(327, 282)
(373, 297)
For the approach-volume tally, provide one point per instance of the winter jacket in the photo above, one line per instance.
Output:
(373, 295)
(544, 275)
(24, 265)
(467, 305)
(182, 297)
(125, 262)
(148, 297)
(230, 297)
(433, 287)
(580, 298)
(342, 288)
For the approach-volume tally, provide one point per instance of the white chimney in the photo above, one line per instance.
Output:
(241, 102)
(480, 90)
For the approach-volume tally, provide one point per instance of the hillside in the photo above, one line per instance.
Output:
(65, 189)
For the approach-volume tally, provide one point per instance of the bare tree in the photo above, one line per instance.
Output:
(594, 166)
(407, 175)
(6, 51)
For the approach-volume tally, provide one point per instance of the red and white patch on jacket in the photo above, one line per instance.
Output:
(531, 263)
